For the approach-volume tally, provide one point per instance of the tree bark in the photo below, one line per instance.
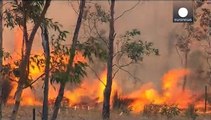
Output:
(46, 48)
(25, 61)
(108, 88)
(70, 62)
(1, 58)
(58, 101)
(186, 66)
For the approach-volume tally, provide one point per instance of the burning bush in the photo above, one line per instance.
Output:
(122, 104)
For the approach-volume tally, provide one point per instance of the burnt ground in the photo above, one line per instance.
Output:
(25, 113)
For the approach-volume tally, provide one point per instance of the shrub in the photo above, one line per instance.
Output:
(169, 110)
(121, 104)
(151, 110)
(190, 112)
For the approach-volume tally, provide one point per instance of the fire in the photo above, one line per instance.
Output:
(171, 79)
(171, 92)
(90, 92)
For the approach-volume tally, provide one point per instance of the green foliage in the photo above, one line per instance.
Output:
(102, 14)
(129, 35)
(13, 15)
(169, 111)
(97, 14)
(77, 72)
(38, 60)
(183, 43)
(190, 112)
(93, 47)
(74, 76)
(136, 49)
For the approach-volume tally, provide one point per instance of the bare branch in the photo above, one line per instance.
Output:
(127, 10)
(117, 53)
(115, 73)
(96, 75)
(13, 80)
(74, 8)
(95, 27)
(42, 75)
(121, 68)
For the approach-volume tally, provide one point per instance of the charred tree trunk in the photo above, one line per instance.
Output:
(186, 66)
(25, 61)
(107, 91)
(46, 48)
(70, 62)
(1, 58)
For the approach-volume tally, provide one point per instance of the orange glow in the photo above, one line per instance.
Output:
(90, 92)
(171, 92)
(90, 89)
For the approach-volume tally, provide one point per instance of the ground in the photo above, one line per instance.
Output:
(25, 113)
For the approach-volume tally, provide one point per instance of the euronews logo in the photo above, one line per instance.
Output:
(182, 12)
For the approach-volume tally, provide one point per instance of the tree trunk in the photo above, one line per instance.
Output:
(107, 91)
(1, 58)
(25, 61)
(70, 62)
(58, 101)
(46, 48)
(186, 66)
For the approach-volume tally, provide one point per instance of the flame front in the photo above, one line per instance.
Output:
(90, 92)
(171, 92)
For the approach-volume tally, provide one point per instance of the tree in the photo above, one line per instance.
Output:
(1, 57)
(183, 45)
(130, 47)
(107, 91)
(193, 33)
(97, 43)
(23, 11)
(46, 48)
(71, 70)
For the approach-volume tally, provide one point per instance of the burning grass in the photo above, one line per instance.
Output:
(89, 95)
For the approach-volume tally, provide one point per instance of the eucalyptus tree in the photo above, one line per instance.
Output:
(73, 71)
(46, 49)
(130, 46)
(194, 32)
(1, 55)
(20, 14)
(108, 87)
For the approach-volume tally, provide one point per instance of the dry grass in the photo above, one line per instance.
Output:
(25, 113)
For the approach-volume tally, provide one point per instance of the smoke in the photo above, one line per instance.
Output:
(152, 18)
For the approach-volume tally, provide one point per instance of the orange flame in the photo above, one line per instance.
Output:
(171, 92)
(91, 91)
